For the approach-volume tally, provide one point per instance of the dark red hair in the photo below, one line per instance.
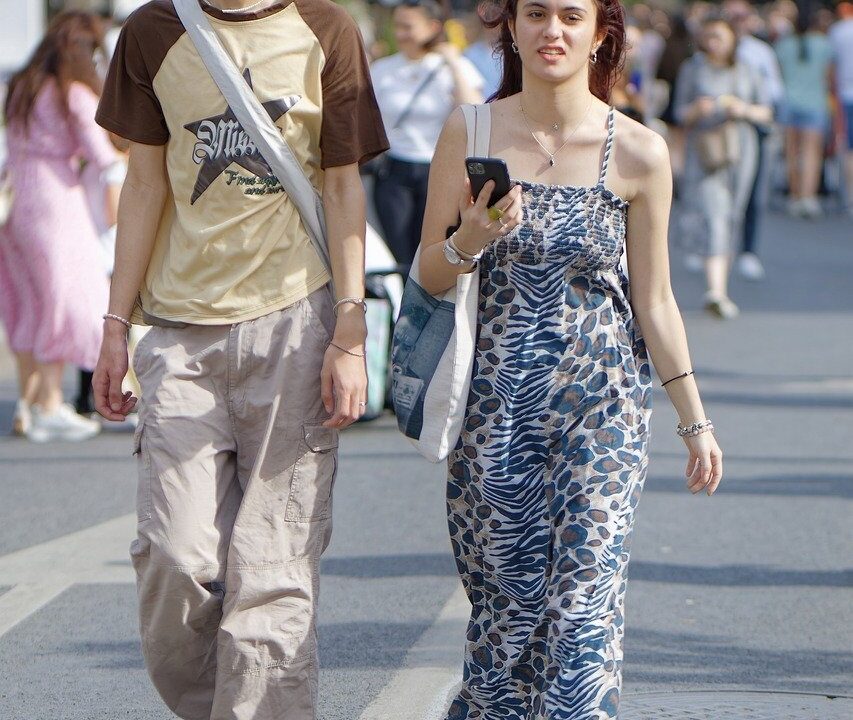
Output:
(610, 57)
(64, 55)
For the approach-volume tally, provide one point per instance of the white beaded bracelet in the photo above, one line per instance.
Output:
(696, 428)
(110, 316)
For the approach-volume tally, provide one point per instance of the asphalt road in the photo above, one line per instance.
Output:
(750, 589)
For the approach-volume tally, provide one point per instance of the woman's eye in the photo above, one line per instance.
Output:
(535, 14)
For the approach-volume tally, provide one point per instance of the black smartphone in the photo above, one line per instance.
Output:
(481, 170)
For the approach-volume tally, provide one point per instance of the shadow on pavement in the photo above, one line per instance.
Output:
(666, 657)
(106, 655)
(766, 399)
(738, 575)
(367, 644)
(380, 566)
(801, 485)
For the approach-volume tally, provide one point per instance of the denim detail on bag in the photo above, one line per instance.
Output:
(421, 336)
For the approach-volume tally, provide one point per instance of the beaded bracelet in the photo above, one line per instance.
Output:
(696, 428)
(110, 316)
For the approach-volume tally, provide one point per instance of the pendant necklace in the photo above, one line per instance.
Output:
(555, 126)
(235, 11)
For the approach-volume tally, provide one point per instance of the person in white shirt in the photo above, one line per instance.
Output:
(417, 89)
(841, 38)
(761, 58)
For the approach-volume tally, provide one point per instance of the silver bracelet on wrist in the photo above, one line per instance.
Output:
(696, 428)
(349, 301)
(123, 321)
(455, 256)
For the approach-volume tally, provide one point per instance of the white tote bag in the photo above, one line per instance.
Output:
(432, 352)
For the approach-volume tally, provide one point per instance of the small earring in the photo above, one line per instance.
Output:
(594, 57)
(514, 47)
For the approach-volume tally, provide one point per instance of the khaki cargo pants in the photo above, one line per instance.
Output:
(234, 511)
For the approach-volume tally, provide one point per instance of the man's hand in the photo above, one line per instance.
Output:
(109, 374)
(344, 387)
(343, 381)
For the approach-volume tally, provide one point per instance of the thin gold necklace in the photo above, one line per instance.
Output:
(551, 155)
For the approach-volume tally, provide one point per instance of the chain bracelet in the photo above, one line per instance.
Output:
(350, 301)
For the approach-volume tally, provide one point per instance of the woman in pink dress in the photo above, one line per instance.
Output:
(53, 289)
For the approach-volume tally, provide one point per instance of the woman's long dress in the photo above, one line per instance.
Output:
(548, 471)
(53, 285)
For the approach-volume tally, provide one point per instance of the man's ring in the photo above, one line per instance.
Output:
(362, 404)
(495, 213)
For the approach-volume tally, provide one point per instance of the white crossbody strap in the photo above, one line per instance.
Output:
(478, 121)
(257, 123)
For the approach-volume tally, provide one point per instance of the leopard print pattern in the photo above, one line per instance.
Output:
(549, 468)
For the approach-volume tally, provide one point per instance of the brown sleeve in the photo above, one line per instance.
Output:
(129, 106)
(352, 129)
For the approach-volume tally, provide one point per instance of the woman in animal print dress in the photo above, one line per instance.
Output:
(548, 471)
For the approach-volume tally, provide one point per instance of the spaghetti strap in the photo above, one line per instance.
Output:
(608, 146)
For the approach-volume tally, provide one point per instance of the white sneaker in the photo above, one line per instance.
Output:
(722, 308)
(795, 207)
(810, 208)
(23, 418)
(63, 424)
(750, 267)
(694, 263)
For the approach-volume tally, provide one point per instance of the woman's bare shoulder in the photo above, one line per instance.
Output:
(641, 152)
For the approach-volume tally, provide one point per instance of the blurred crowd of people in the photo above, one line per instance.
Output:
(755, 101)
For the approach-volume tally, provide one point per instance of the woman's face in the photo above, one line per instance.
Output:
(718, 41)
(413, 29)
(555, 38)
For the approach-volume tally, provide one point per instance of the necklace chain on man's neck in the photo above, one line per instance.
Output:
(236, 11)
(551, 155)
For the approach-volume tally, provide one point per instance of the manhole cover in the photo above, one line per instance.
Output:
(735, 706)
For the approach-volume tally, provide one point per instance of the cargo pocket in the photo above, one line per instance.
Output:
(143, 485)
(313, 475)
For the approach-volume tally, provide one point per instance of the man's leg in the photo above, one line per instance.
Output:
(394, 202)
(267, 655)
(758, 196)
(848, 156)
(187, 500)
(420, 187)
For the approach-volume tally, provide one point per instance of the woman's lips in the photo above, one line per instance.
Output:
(551, 55)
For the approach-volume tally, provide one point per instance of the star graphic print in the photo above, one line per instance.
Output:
(223, 141)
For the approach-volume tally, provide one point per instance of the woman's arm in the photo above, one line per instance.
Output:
(344, 376)
(141, 204)
(657, 312)
(94, 142)
(692, 109)
(758, 109)
(448, 199)
(464, 91)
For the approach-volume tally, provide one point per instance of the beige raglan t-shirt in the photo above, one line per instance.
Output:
(230, 245)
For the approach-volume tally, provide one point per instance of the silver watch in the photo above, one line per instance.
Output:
(455, 257)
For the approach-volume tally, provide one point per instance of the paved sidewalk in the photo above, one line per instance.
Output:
(748, 590)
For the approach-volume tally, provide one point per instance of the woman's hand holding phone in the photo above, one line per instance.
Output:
(477, 230)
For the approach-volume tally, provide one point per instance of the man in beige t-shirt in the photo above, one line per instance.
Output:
(247, 373)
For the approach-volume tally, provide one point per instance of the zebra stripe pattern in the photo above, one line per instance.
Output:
(548, 471)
